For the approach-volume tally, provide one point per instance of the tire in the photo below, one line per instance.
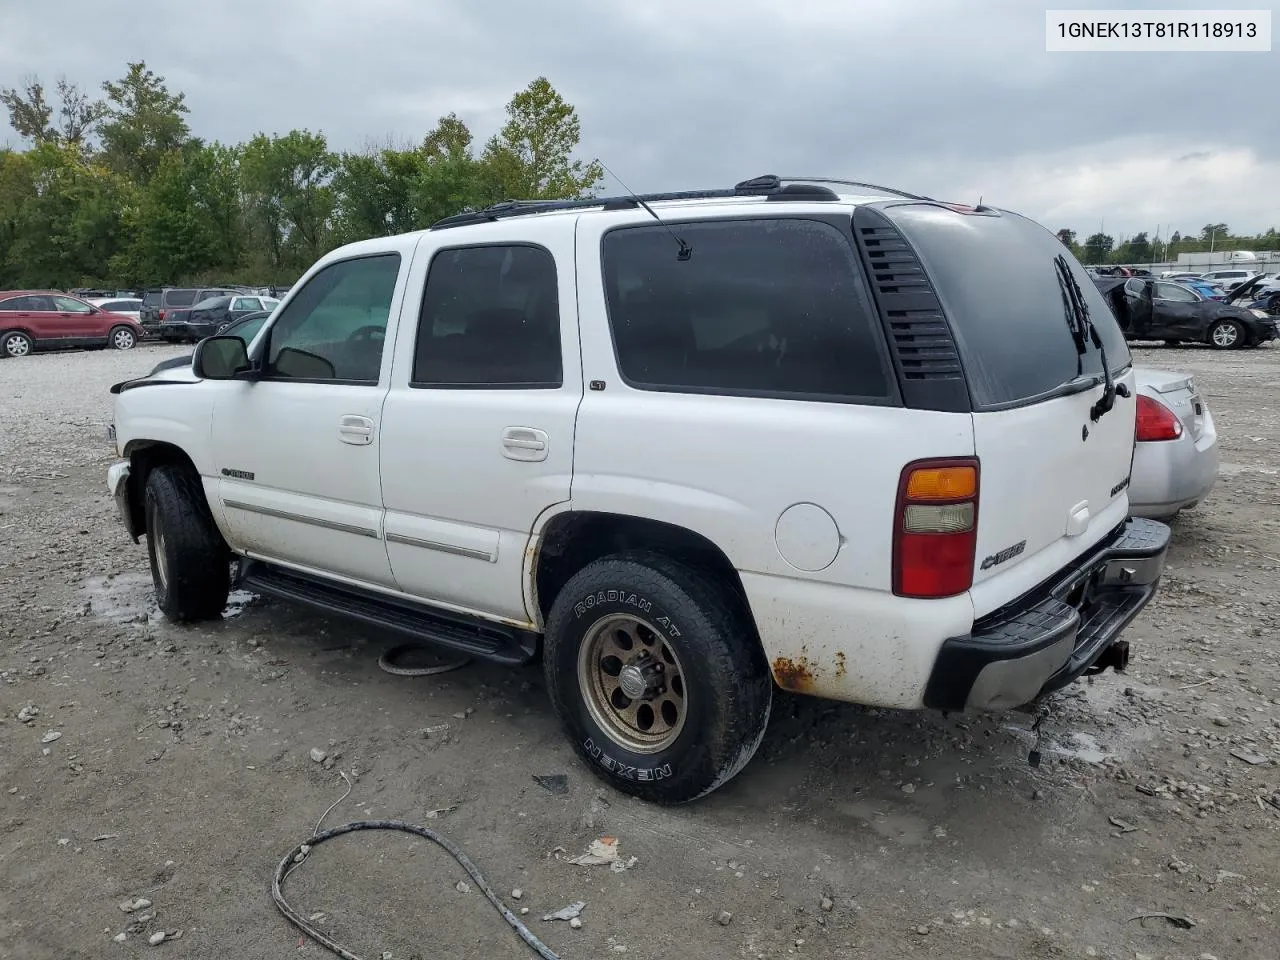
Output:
(122, 338)
(704, 729)
(190, 562)
(15, 344)
(1226, 335)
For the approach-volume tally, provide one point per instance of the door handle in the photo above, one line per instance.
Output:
(355, 430)
(524, 443)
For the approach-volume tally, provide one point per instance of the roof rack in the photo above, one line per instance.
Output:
(769, 186)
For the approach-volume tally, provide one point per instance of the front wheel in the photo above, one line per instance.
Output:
(122, 338)
(1226, 335)
(15, 343)
(190, 562)
(657, 675)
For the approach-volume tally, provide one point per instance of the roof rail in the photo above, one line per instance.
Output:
(769, 186)
(855, 183)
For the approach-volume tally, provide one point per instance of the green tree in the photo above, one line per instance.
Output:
(1067, 237)
(288, 181)
(30, 114)
(143, 123)
(16, 186)
(1214, 233)
(1097, 248)
(69, 228)
(532, 155)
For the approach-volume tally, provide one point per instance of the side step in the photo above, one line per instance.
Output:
(482, 639)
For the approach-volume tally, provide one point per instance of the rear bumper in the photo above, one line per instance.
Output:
(1173, 475)
(1047, 639)
(186, 331)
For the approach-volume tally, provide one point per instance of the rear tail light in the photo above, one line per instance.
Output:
(1156, 421)
(160, 315)
(935, 530)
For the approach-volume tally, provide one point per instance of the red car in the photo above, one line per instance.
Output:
(33, 320)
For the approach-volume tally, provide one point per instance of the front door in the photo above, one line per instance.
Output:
(297, 451)
(74, 321)
(478, 427)
(1180, 311)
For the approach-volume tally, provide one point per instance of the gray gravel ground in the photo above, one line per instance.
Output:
(183, 769)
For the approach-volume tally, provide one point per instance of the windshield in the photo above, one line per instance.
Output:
(996, 278)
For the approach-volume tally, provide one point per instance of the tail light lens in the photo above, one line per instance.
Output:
(1156, 421)
(935, 529)
(160, 314)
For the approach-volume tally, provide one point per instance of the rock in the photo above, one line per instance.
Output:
(156, 938)
(827, 904)
(318, 755)
(462, 886)
(120, 937)
(132, 906)
(524, 911)
(576, 923)
(1221, 722)
(517, 894)
(725, 918)
(908, 788)
(923, 930)
(28, 713)
(51, 736)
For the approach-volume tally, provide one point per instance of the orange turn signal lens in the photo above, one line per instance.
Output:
(942, 483)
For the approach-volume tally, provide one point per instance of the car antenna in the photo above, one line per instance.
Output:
(685, 251)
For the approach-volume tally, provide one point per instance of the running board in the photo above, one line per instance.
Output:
(472, 636)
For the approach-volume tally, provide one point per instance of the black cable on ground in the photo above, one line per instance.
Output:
(298, 855)
(388, 662)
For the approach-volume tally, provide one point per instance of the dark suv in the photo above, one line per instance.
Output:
(158, 301)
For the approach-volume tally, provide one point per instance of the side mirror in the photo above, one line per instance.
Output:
(220, 358)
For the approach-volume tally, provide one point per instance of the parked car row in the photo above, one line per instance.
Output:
(32, 320)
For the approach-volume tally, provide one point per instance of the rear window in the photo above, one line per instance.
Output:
(768, 307)
(180, 298)
(996, 279)
(153, 298)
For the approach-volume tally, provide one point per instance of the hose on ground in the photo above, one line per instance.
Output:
(301, 852)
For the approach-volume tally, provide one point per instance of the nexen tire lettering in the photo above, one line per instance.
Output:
(642, 774)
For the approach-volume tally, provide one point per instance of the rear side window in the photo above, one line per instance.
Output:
(180, 298)
(153, 298)
(490, 318)
(771, 307)
(996, 279)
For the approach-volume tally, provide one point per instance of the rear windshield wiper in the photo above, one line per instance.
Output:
(1083, 330)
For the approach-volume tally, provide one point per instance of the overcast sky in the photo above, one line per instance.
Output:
(951, 98)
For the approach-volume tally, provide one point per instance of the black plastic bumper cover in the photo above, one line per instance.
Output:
(1052, 635)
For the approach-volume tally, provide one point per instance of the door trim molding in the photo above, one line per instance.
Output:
(473, 554)
(299, 518)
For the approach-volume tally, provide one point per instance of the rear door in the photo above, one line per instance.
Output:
(478, 427)
(1053, 478)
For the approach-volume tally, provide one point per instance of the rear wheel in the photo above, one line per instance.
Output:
(122, 338)
(657, 676)
(1226, 335)
(190, 562)
(15, 343)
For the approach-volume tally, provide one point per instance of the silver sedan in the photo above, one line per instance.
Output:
(1175, 460)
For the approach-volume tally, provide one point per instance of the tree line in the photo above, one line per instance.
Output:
(1101, 248)
(116, 190)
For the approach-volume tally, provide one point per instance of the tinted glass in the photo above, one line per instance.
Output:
(126, 305)
(152, 298)
(996, 279)
(490, 317)
(212, 303)
(25, 304)
(71, 305)
(180, 298)
(245, 303)
(1171, 291)
(246, 328)
(335, 328)
(762, 308)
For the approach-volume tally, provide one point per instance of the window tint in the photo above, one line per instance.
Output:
(127, 306)
(335, 328)
(996, 279)
(153, 298)
(212, 303)
(490, 317)
(245, 303)
(1134, 287)
(246, 328)
(71, 305)
(1171, 291)
(762, 308)
(179, 298)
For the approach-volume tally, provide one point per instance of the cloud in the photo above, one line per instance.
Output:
(943, 97)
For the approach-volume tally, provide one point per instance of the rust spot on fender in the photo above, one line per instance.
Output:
(841, 666)
(796, 675)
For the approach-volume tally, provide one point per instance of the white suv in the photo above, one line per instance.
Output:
(684, 447)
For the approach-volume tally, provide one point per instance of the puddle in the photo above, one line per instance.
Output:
(130, 598)
(902, 827)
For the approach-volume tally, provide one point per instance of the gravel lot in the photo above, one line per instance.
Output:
(182, 773)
